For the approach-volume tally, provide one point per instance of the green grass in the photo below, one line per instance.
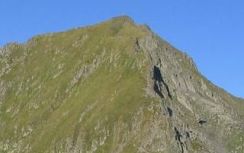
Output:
(113, 90)
(236, 142)
(66, 110)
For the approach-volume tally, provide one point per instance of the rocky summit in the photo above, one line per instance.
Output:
(114, 87)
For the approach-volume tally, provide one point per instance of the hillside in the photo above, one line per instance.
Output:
(114, 87)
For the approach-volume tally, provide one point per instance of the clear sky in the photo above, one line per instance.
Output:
(210, 31)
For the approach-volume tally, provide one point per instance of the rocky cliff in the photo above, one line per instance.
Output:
(114, 87)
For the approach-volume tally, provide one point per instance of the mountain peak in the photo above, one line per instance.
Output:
(114, 87)
(123, 18)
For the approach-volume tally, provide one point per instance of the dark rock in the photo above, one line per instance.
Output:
(158, 80)
(170, 111)
(202, 122)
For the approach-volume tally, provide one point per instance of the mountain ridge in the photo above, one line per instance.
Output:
(112, 87)
(123, 18)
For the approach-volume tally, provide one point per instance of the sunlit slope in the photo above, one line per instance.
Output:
(114, 87)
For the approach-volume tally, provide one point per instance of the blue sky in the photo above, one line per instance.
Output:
(210, 31)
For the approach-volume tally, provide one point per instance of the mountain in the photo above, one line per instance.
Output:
(115, 87)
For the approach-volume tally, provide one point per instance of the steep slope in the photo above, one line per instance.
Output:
(114, 87)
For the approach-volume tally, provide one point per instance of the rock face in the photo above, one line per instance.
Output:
(115, 87)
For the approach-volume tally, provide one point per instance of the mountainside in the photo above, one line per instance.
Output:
(114, 87)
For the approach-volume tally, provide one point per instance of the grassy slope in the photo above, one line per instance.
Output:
(84, 84)
(52, 106)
